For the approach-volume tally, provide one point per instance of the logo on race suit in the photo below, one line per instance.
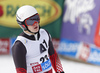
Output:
(37, 68)
(48, 10)
(40, 67)
(77, 10)
(46, 65)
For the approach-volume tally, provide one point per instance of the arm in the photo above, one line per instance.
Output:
(19, 57)
(55, 61)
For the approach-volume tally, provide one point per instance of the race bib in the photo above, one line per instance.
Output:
(36, 67)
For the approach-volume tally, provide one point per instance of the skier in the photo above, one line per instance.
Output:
(33, 50)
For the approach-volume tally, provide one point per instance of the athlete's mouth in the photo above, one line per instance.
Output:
(35, 27)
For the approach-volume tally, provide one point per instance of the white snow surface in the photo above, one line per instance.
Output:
(69, 66)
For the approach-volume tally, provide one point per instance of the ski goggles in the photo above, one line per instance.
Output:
(32, 20)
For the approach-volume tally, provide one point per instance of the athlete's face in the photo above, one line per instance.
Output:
(33, 23)
(34, 28)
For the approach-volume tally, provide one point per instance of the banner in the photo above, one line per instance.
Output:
(80, 51)
(80, 20)
(4, 46)
(97, 34)
(50, 12)
(80, 35)
(68, 47)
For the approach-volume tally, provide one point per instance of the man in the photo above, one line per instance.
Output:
(33, 50)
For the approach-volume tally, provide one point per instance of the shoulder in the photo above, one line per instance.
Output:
(18, 44)
(44, 31)
(22, 39)
(18, 47)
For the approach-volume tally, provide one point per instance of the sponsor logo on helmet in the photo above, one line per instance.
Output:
(48, 10)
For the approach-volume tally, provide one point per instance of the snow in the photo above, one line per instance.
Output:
(69, 66)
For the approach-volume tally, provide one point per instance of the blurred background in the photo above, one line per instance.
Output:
(73, 24)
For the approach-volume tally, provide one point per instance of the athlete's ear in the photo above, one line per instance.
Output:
(19, 22)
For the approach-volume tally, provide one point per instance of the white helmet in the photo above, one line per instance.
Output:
(24, 12)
